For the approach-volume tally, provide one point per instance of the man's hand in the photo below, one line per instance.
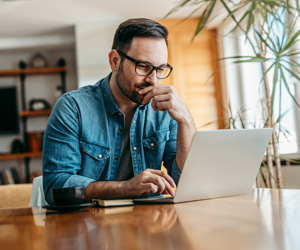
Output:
(149, 181)
(165, 97)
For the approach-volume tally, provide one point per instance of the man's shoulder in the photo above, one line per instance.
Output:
(89, 93)
(86, 90)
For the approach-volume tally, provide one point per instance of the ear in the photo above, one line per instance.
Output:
(114, 60)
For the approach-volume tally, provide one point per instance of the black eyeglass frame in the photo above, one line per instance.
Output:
(153, 67)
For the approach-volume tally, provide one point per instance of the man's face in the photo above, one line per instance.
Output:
(151, 50)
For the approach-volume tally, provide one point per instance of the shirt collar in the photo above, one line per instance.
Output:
(110, 105)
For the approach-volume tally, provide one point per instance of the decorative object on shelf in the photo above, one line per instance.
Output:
(41, 140)
(61, 62)
(2, 181)
(58, 92)
(39, 104)
(34, 141)
(22, 65)
(17, 146)
(15, 175)
(38, 61)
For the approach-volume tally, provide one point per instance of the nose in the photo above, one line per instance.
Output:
(152, 79)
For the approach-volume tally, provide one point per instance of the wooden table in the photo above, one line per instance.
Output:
(267, 220)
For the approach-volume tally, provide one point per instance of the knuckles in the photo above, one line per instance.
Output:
(170, 89)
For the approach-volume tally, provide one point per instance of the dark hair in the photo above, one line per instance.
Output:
(137, 27)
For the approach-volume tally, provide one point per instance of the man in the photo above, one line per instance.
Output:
(112, 137)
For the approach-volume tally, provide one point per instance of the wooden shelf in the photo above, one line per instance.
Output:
(21, 155)
(32, 71)
(35, 112)
(21, 74)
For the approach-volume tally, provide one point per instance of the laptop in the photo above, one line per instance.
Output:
(220, 163)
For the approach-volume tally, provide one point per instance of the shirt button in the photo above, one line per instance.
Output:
(133, 122)
(120, 130)
(152, 144)
(134, 148)
(120, 113)
(117, 158)
(100, 156)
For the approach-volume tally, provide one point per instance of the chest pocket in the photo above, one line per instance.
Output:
(94, 159)
(154, 148)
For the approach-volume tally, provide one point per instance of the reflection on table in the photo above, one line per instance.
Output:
(266, 219)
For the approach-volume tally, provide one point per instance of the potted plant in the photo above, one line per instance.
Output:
(276, 53)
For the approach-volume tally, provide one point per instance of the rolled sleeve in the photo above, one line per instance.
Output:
(170, 153)
(175, 172)
(61, 153)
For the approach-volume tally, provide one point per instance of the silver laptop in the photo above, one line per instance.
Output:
(219, 163)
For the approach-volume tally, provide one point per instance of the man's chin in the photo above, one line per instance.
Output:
(138, 99)
(140, 102)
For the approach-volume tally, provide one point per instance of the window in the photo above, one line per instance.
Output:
(246, 92)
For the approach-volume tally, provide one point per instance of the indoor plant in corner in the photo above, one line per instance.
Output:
(276, 52)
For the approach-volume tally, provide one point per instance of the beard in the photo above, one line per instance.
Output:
(128, 89)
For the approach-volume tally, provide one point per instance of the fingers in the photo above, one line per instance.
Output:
(156, 184)
(164, 175)
(151, 92)
(153, 188)
(160, 100)
(162, 180)
(151, 181)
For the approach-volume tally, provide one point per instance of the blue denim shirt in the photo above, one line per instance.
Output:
(83, 139)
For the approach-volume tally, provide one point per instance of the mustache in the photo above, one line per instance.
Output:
(142, 85)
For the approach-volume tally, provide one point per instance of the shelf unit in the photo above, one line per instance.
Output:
(25, 114)
(35, 113)
(21, 155)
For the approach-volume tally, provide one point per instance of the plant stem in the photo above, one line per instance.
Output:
(271, 124)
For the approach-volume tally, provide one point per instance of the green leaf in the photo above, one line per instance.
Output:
(250, 19)
(253, 59)
(275, 78)
(241, 120)
(268, 169)
(288, 89)
(267, 71)
(263, 177)
(200, 26)
(231, 14)
(292, 41)
(178, 7)
(235, 57)
(265, 42)
(292, 73)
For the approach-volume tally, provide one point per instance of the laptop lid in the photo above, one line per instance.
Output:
(222, 163)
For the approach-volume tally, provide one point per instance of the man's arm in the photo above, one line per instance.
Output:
(148, 181)
(62, 161)
(165, 97)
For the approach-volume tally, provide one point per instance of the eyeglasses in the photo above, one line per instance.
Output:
(145, 69)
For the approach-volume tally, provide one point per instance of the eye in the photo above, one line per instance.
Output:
(144, 66)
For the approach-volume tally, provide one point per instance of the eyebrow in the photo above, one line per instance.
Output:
(142, 61)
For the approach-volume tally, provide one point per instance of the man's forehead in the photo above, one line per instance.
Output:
(153, 50)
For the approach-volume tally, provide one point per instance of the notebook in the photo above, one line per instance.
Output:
(220, 163)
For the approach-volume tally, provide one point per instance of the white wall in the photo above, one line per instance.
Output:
(93, 43)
